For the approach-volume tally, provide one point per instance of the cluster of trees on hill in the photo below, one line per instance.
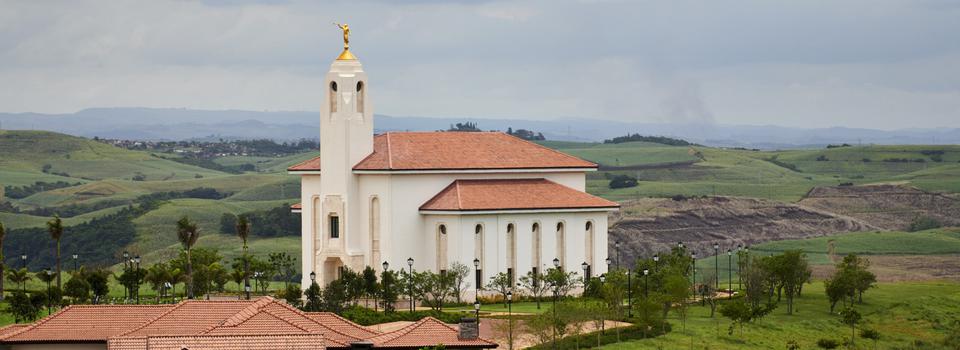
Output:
(467, 126)
(654, 139)
(526, 134)
(25, 191)
(275, 222)
(72, 210)
(207, 149)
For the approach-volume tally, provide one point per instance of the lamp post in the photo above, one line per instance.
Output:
(510, 313)
(75, 267)
(629, 293)
(646, 277)
(23, 265)
(680, 244)
(609, 262)
(126, 266)
(603, 280)
(137, 261)
(586, 279)
(410, 282)
(476, 272)
(49, 272)
(555, 295)
(476, 309)
(656, 262)
(730, 273)
(716, 263)
(246, 289)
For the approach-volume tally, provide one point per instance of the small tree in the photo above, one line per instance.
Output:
(77, 288)
(738, 312)
(24, 307)
(313, 295)
(824, 343)
(99, 284)
(436, 288)
(19, 276)
(293, 295)
(370, 287)
(501, 283)
(335, 296)
(562, 282)
(389, 292)
(283, 266)
(534, 284)
(851, 317)
(458, 273)
(3, 265)
(55, 227)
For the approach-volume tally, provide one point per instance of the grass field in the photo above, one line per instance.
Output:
(932, 242)
(903, 313)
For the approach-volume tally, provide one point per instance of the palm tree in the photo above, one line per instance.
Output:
(187, 233)
(3, 232)
(243, 230)
(55, 227)
(19, 276)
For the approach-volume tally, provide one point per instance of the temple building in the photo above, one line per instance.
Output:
(436, 198)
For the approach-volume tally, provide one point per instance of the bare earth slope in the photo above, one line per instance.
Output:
(650, 225)
(890, 207)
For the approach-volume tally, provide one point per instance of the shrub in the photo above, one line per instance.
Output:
(622, 181)
(822, 158)
(921, 223)
(827, 343)
(366, 317)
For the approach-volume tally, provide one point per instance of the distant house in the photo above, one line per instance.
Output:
(262, 323)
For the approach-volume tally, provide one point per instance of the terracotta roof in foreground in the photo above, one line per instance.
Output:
(512, 194)
(398, 151)
(297, 206)
(312, 164)
(86, 323)
(430, 331)
(214, 342)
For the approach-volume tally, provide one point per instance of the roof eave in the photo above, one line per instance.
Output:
(516, 210)
(474, 170)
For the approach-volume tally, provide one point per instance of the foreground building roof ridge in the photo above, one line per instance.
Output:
(158, 317)
(328, 328)
(386, 339)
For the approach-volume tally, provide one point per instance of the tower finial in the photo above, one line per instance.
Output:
(345, 55)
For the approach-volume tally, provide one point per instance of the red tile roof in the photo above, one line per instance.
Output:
(512, 194)
(430, 331)
(297, 206)
(208, 342)
(312, 164)
(205, 325)
(86, 323)
(461, 151)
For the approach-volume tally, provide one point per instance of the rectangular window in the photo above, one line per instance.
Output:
(334, 226)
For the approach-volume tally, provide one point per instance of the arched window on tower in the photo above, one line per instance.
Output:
(360, 96)
(333, 97)
(512, 253)
(537, 243)
(561, 245)
(588, 246)
(442, 248)
(478, 251)
(375, 231)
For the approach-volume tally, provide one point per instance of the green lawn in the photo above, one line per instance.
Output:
(901, 312)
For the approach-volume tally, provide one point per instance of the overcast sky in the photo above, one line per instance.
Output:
(873, 63)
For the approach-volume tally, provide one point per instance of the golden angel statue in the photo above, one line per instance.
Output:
(346, 34)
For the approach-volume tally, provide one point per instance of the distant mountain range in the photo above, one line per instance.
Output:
(183, 124)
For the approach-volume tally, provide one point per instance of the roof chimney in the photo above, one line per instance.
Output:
(469, 329)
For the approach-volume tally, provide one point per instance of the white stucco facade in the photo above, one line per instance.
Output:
(363, 218)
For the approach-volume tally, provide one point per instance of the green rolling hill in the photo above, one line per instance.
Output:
(104, 178)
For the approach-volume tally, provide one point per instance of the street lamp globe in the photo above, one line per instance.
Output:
(729, 252)
(739, 247)
(609, 262)
(603, 278)
(126, 255)
(509, 296)
(410, 262)
(656, 258)
(584, 266)
(386, 266)
(679, 244)
(476, 305)
(136, 259)
(476, 263)
(716, 246)
(75, 256)
(646, 272)
(313, 276)
(556, 262)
